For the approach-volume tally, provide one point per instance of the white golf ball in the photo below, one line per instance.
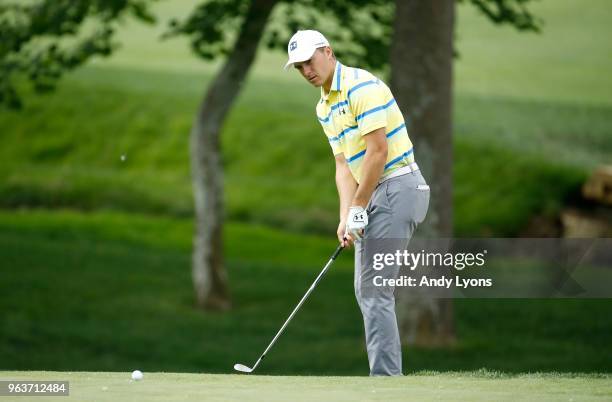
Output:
(122, 158)
(136, 375)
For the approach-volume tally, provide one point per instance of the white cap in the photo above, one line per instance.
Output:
(303, 44)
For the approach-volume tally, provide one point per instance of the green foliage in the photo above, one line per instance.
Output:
(512, 12)
(34, 35)
(43, 39)
(360, 31)
(211, 26)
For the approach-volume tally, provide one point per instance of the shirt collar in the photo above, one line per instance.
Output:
(336, 81)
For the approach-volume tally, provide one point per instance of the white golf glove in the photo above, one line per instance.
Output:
(356, 221)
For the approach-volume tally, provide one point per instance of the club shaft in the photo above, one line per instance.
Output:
(295, 310)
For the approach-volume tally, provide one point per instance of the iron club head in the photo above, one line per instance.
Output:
(242, 368)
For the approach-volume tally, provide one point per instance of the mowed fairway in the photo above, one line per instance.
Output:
(461, 386)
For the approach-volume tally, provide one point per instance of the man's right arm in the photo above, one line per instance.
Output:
(347, 186)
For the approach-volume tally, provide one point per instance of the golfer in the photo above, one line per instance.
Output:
(381, 190)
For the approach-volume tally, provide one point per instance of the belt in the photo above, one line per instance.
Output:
(412, 167)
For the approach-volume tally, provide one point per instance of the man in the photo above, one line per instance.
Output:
(381, 190)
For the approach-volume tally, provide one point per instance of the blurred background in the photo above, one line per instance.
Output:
(96, 225)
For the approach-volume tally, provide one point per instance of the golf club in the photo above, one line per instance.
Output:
(244, 369)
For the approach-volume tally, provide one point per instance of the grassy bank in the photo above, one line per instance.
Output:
(67, 153)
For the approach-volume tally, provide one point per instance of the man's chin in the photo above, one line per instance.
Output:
(315, 83)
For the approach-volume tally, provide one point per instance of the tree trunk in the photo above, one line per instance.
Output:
(421, 79)
(208, 270)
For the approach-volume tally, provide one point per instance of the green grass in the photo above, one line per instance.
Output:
(52, 161)
(462, 386)
(113, 292)
(497, 199)
(568, 62)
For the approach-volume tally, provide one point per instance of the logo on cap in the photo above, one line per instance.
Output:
(293, 46)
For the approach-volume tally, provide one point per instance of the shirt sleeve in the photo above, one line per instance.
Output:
(334, 142)
(369, 105)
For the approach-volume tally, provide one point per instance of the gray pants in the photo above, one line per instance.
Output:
(395, 209)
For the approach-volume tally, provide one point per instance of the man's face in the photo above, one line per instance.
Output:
(319, 68)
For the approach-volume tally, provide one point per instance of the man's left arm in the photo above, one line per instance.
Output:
(368, 106)
(371, 170)
(372, 166)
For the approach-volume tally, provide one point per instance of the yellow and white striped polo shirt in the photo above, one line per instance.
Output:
(357, 104)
